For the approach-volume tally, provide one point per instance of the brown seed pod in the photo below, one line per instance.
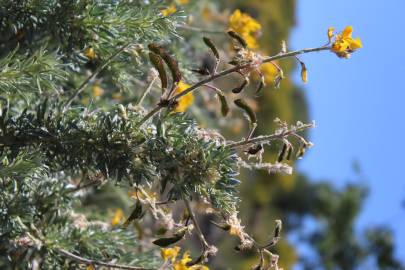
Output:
(157, 62)
(169, 60)
(249, 111)
(239, 89)
(238, 38)
(282, 154)
(136, 214)
(211, 45)
(224, 104)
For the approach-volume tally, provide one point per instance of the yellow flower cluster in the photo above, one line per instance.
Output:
(269, 72)
(185, 101)
(344, 44)
(245, 26)
(181, 264)
(172, 8)
(90, 53)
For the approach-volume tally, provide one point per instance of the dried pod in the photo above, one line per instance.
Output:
(136, 214)
(169, 60)
(238, 38)
(239, 89)
(211, 45)
(260, 86)
(223, 226)
(304, 72)
(167, 241)
(243, 105)
(224, 104)
(278, 228)
(254, 149)
(282, 154)
(277, 81)
(157, 62)
(289, 152)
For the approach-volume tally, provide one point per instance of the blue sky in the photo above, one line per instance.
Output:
(358, 104)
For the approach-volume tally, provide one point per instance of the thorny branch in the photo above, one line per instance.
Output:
(224, 73)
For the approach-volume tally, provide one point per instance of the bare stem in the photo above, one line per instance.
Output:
(227, 72)
(147, 90)
(271, 137)
(94, 262)
(200, 235)
(94, 74)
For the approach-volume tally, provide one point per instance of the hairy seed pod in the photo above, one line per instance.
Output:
(281, 155)
(167, 241)
(238, 38)
(289, 152)
(157, 62)
(239, 89)
(244, 106)
(224, 104)
(278, 228)
(211, 45)
(259, 86)
(254, 149)
(136, 214)
(304, 73)
(169, 60)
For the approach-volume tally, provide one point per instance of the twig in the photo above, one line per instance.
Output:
(94, 74)
(270, 137)
(224, 73)
(200, 235)
(147, 90)
(94, 262)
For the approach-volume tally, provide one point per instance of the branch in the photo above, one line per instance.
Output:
(224, 73)
(272, 137)
(94, 262)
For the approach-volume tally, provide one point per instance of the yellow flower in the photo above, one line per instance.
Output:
(344, 44)
(269, 72)
(117, 218)
(169, 10)
(90, 267)
(182, 263)
(97, 91)
(246, 26)
(90, 53)
(330, 33)
(185, 101)
(169, 253)
(183, 2)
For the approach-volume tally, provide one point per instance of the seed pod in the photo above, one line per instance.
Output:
(224, 104)
(211, 45)
(169, 60)
(243, 105)
(278, 228)
(289, 152)
(238, 38)
(239, 89)
(281, 155)
(223, 226)
(167, 241)
(259, 86)
(136, 214)
(157, 62)
(254, 149)
(304, 73)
